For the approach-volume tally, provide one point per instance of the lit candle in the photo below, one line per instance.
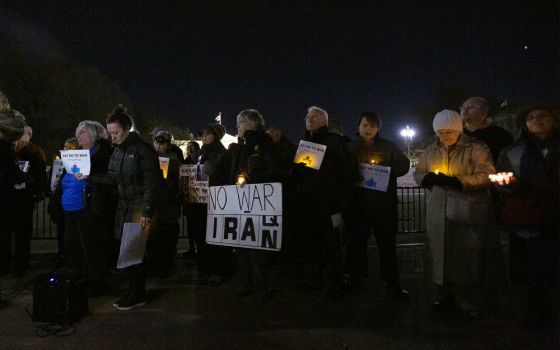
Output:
(372, 161)
(241, 180)
(436, 171)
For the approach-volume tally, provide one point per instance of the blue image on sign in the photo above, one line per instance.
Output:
(370, 183)
(75, 169)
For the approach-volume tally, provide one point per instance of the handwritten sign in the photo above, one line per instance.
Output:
(196, 183)
(247, 217)
(375, 177)
(76, 161)
(311, 154)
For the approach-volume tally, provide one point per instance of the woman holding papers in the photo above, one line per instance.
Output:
(89, 210)
(463, 243)
(134, 168)
(379, 163)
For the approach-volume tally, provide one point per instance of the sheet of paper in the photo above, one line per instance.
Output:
(311, 154)
(76, 161)
(375, 177)
(133, 245)
(56, 172)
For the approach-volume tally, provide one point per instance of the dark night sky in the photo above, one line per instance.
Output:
(191, 61)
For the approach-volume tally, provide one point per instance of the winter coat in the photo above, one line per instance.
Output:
(257, 159)
(537, 178)
(385, 153)
(101, 198)
(9, 176)
(329, 187)
(134, 168)
(459, 252)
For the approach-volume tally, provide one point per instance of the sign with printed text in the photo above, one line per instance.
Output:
(246, 217)
(195, 182)
(311, 154)
(375, 177)
(76, 161)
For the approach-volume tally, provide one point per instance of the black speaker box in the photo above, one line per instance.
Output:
(60, 297)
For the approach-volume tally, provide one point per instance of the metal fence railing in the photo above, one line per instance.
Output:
(412, 215)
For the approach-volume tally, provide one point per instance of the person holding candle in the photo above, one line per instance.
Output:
(530, 207)
(256, 160)
(376, 210)
(463, 244)
(161, 247)
(321, 200)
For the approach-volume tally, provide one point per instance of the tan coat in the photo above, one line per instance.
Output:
(458, 250)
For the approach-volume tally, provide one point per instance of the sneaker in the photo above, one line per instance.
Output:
(129, 301)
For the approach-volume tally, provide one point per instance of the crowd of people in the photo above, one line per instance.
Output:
(326, 210)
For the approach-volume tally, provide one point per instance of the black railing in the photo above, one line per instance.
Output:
(412, 215)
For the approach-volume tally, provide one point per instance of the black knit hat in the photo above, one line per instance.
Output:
(217, 129)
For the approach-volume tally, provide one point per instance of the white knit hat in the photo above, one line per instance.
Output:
(448, 119)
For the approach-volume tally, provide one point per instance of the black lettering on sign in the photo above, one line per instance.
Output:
(215, 227)
(249, 230)
(218, 196)
(257, 197)
(268, 192)
(230, 226)
(269, 239)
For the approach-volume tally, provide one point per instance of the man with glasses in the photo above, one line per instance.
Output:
(474, 112)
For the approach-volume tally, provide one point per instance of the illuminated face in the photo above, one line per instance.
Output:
(314, 121)
(207, 137)
(160, 147)
(541, 123)
(243, 125)
(85, 141)
(367, 130)
(448, 137)
(117, 133)
(473, 111)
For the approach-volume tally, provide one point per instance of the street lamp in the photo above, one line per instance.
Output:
(407, 133)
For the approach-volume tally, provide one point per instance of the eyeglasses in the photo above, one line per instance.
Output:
(471, 106)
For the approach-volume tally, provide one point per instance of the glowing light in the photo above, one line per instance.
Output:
(408, 133)
(241, 180)
(307, 159)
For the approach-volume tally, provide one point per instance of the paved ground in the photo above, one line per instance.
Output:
(184, 316)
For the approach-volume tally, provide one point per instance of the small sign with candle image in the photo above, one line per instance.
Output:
(310, 154)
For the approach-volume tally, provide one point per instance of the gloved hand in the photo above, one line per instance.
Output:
(429, 180)
(449, 181)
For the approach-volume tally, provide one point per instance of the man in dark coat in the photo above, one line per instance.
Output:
(474, 112)
(375, 210)
(321, 198)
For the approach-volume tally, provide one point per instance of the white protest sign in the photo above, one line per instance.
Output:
(56, 172)
(164, 165)
(133, 245)
(196, 183)
(246, 217)
(375, 177)
(311, 154)
(76, 161)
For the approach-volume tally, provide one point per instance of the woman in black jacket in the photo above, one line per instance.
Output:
(134, 169)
